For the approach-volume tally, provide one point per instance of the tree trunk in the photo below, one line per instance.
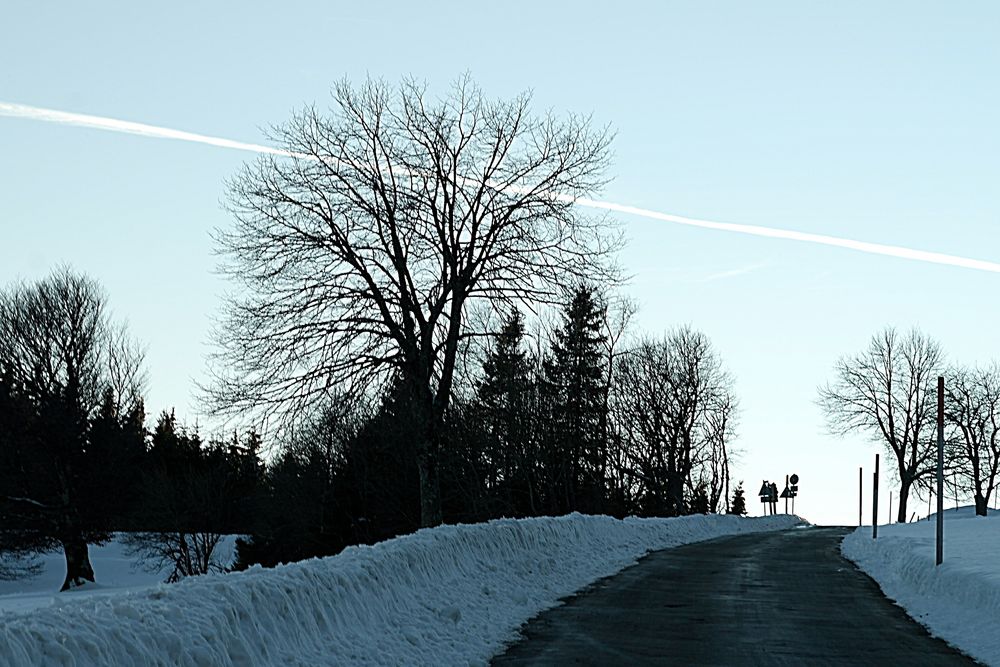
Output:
(430, 485)
(78, 569)
(981, 505)
(904, 492)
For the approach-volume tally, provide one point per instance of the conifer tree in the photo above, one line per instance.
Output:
(739, 504)
(503, 405)
(573, 390)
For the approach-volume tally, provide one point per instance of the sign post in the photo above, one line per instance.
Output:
(765, 496)
(861, 489)
(794, 489)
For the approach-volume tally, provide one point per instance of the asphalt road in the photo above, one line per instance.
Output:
(782, 598)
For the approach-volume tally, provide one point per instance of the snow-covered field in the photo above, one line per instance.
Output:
(958, 601)
(444, 596)
(116, 572)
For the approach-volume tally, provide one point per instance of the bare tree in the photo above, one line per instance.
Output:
(618, 318)
(361, 255)
(720, 429)
(60, 354)
(888, 393)
(184, 553)
(675, 412)
(972, 409)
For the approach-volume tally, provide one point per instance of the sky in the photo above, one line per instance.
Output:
(869, 121)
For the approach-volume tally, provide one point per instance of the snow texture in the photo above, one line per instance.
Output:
(443, 596)
(958, 601)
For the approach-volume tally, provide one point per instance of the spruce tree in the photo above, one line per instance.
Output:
(573, 389)
(739, 504)
(503, 406)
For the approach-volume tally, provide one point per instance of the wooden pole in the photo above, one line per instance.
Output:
(940, 471)
(875, 500)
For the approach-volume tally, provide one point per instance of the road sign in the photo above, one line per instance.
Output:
(794, 479)
(786, 493)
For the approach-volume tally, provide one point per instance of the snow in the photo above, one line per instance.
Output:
(447, 595)
(958, 601)
(114, 570)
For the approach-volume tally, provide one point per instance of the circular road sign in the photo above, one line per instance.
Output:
(794, 479)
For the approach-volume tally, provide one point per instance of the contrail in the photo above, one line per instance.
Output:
(128, 127)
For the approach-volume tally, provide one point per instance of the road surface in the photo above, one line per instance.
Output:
(779, 598)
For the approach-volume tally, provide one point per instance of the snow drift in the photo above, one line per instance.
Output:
(448, 595)
(958, 601)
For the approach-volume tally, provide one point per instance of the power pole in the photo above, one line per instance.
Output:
(940, 471)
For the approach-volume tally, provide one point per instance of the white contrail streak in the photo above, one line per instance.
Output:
(822, 239)
(128, 127)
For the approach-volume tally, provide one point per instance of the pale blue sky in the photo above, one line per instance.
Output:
(871, 121)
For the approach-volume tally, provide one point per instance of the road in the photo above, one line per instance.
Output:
(781, 598)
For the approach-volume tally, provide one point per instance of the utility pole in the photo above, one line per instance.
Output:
(940, 471)
(875, 500)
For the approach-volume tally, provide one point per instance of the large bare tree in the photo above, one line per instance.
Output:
(888, 393)
(360, 254)
(972, 410)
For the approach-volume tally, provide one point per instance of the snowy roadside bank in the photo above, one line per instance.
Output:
(449, 595)
(958, 601)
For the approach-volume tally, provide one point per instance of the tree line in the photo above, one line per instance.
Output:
(572, 422)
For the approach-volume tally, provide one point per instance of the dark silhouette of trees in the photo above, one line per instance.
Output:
(360, 258)
(888, 392)
(194, 493)
(972, 411)
(72, 403)
(306, 507)
(675, 413)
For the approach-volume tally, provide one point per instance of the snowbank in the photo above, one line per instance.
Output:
(449, 595)
(958, 601)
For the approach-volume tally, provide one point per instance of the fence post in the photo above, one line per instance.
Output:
(940, 470)
(875, 500)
